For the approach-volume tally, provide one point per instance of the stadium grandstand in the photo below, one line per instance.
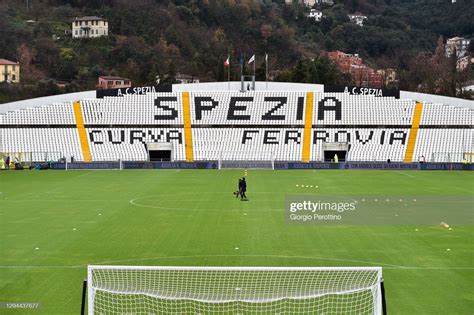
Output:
(274, 125)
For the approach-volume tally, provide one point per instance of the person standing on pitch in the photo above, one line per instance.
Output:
(239, 189)
(243, 189)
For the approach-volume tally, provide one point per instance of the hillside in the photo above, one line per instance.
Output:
(161, 38)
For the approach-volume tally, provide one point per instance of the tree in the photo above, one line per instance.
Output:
(300, 72)
(318, 70)
(323, 71)
(29, 72)
(47, 55)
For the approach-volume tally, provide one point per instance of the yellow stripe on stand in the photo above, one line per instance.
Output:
(415, 125)
(86, 151)
(308, 123)
(188, 132)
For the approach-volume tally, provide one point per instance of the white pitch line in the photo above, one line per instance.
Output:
(132, 202)
(399, 172)
(385, 265)
(85, 174)
(262, 256)
(62, 200)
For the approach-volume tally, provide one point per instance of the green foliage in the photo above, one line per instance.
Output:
(149, 38)
(318, 70)
(67, 54)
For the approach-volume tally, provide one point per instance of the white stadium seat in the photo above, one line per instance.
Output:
(260, 124)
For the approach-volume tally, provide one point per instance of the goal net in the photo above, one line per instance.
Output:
(447, 157)
(97, 165)
(247, 160)
(28, 158)
(236, 290)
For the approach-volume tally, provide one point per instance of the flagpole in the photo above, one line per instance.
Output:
(241, 66)
(228, 77)
(254, 62)
(242, 88)
(266, 71)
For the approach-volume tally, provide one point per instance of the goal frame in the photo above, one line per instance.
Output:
(450, 157)
(29, 158)
(379, 300)
(91, 164)
(247, 160)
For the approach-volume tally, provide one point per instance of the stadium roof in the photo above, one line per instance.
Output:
(7, 62)
(113, 78)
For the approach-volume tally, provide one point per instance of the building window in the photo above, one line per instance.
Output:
(13, 77)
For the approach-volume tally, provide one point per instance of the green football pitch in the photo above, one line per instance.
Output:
(54, 223)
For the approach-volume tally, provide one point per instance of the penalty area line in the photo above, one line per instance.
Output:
(399, 172)
(384, 265)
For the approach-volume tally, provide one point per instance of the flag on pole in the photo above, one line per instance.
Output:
(252, 59)
(227, 62)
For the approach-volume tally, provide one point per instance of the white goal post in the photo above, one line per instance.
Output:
(247, 160)
(448, 157)
(97, 165)
(236, 290)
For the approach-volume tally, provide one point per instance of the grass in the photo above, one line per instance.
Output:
(182, 217)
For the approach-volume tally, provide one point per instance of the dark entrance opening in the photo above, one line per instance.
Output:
(160, 155)
(329, 155)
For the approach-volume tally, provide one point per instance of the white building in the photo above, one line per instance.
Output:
(311, 3)
(316, 15)
(458, 44)
(357, 19)
(186, 78)
(90, 27)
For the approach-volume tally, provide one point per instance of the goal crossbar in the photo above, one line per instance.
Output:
(246, 160)
(204, 268)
